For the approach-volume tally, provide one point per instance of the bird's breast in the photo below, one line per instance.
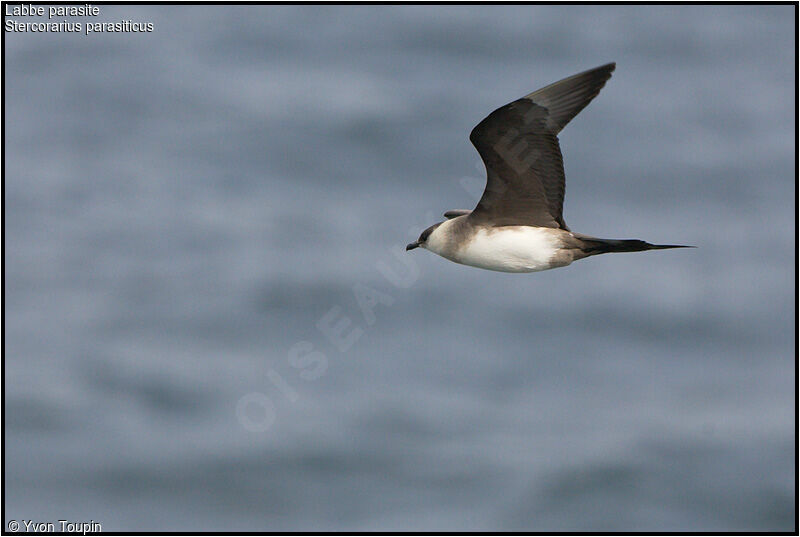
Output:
(511, 249)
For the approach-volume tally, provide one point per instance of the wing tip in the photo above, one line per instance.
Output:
(604, 70)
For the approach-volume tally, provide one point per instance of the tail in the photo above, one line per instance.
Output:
(593, 246)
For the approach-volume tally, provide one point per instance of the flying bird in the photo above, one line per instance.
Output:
(518, 224)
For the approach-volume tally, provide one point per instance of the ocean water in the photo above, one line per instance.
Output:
(210, 323)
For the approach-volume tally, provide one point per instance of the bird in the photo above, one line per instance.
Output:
(518, 224)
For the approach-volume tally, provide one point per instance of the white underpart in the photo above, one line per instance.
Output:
(507, 249)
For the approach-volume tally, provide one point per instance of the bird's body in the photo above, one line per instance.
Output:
(506, 249)
(518, 225)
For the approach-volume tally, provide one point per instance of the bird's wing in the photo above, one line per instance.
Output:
(519, 146)
(456, 212)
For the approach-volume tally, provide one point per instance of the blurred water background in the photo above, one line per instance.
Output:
(183, 208)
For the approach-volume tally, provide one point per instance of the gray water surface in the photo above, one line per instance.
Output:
(184, 209)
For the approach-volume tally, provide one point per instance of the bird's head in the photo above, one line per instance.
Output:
(423, 238)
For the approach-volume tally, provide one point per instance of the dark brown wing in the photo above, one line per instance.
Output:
(519, 146)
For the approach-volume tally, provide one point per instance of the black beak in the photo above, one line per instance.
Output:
(413, 245)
